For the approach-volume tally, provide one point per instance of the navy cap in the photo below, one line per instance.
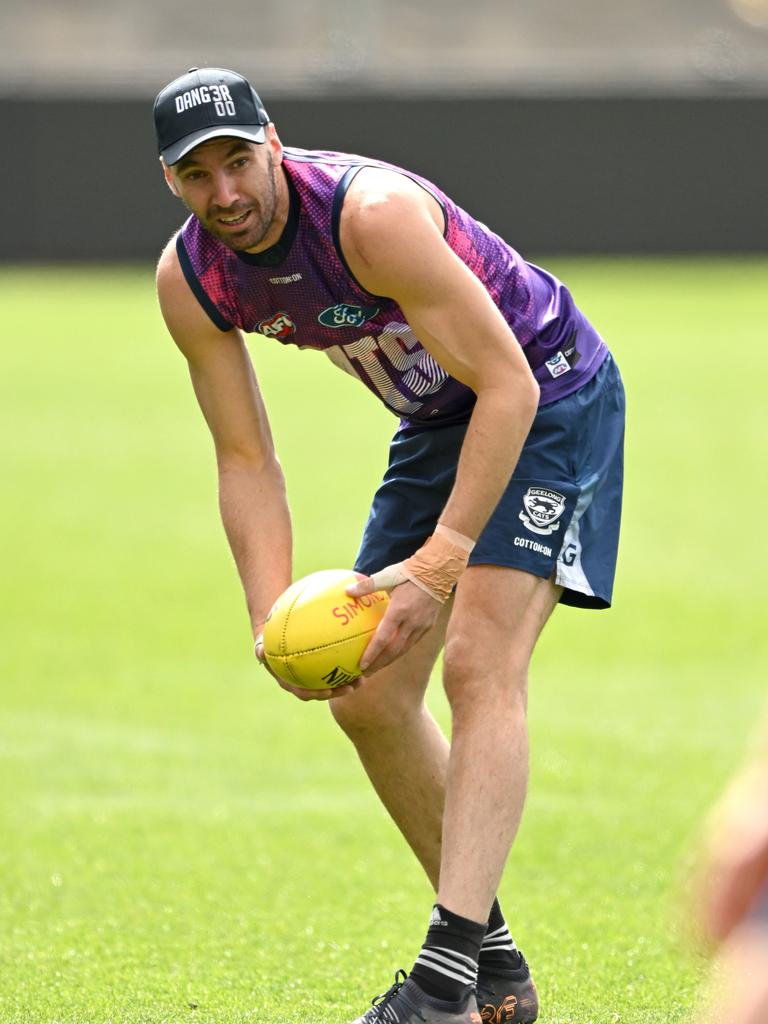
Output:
(206, 103)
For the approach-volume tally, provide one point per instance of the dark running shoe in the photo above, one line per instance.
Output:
(405, 1003)
(508, 997)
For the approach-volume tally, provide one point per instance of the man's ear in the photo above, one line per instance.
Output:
(168, 175)
(274, 143)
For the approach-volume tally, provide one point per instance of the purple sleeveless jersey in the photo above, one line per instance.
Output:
(301, 292)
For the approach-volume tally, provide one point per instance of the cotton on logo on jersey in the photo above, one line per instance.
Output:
(287, 279)
(219, 95)
(279, 326)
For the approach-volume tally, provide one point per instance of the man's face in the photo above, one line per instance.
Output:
(229, 184)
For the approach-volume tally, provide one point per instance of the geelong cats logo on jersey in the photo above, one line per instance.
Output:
(542, 508)
(279, 326)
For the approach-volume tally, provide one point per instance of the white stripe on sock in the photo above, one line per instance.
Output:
(452, 953)
(431, 956)
(499, 945)
(467, 980)
(500, 939)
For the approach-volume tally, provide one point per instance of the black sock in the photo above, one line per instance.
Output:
(446, 967)
(498, 951)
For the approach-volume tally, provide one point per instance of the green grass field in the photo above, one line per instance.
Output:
(180, 841)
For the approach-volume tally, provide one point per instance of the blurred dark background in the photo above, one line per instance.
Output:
(642, 127)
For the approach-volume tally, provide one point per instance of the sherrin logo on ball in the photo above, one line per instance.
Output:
(315, 633)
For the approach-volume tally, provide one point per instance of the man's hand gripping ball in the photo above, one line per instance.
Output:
(418, 587)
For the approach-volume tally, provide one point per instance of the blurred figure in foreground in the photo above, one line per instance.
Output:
(734, 896)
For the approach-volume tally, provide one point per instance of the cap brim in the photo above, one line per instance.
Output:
(253, 133)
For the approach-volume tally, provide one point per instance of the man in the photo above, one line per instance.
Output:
(502, 495)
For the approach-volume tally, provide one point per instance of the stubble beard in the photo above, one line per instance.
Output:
(259, 223)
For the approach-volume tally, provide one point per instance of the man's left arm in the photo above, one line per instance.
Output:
(393, 242)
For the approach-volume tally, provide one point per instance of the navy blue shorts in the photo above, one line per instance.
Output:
(559, 514)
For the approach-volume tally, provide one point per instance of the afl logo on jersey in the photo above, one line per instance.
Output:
(279, 326)
(558, 365)
(542, 510)
(344, 315)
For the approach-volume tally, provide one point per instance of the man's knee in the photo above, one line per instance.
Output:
(498, 615)
(391, 696)
(380, 704)
(478, 674)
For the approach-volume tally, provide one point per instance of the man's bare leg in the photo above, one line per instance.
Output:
(406, 757)
(497, 617)
(402, 748)
(499, 614)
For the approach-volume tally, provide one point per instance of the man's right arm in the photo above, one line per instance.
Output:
(252, 496)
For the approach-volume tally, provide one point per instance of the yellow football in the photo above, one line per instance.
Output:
(315, 633)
